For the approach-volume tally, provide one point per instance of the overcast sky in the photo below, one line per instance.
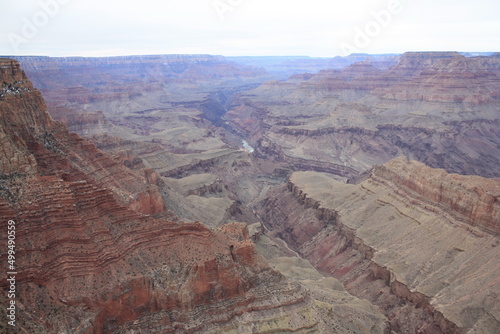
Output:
(320, 28)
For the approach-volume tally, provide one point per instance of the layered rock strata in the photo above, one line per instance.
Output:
(420, 243)
(439, 108)
(88, 261)
(34, 135)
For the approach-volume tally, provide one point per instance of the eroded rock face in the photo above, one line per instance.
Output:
(90, 261)
(437, 108)
(90, 84)
(30, 134)
(81, 254)
(472, 200)
(451, 79)
(420, 243)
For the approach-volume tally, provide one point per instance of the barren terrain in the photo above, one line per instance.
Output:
(203, 194)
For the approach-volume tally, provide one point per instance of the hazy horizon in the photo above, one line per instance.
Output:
(249, 56)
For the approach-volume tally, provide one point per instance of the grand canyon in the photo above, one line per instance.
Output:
(211, 194)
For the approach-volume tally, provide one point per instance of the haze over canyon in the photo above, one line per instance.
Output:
(211, 194)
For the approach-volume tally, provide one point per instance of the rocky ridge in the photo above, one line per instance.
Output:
(371, 237)
(34, 135)
(89, 261)
(437, 108)
(168, 133)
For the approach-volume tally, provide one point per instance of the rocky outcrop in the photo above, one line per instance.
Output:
(88, 261)
(473, 200)
(418, 242)
(34, 135)
(439, 108)
(451, 78)
(14, 146)
(81, 255)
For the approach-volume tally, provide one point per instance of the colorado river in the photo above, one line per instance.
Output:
(247, 147)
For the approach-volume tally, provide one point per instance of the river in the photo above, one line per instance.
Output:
(247, 147)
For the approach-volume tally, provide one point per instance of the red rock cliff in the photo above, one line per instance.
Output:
(472, 199)
(418, 242)
(87, 263)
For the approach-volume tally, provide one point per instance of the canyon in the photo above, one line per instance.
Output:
(437, 108)
(97, 252)
(403, 230)
(205, 194)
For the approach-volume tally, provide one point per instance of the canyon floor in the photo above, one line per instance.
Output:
(199, 194)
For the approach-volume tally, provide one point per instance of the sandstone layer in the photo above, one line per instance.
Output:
(437, 108)
(89, 260)
(166, 141)
(420, 243)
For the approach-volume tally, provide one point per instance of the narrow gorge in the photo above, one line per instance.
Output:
(210, 194)
(96, 251)
(371, 236)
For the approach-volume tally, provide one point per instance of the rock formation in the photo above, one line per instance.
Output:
(286, 66)
(437, 108)
(419, 242)
(89, 260)
(142, 215)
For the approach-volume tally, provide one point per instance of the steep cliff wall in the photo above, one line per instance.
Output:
(454, 79)
(88, 261)
(439, 108)
(88, 264)
(418, 242)
(473, 200)
(30, 134)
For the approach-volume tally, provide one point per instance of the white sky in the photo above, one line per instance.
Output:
(321, 28)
